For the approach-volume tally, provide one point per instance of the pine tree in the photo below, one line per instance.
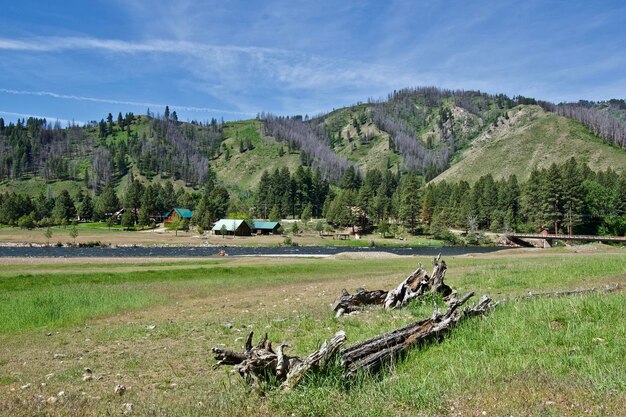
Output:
(572, 190)
(274, 214)
(351, 179)
(530, 204)
(410, 199)
(128, 219)
(133, 196)
(86, 208)
(428, 205)
(107, 203)
(64, 209)
(320, 189)
(110, 124)
(307, 213)
(551, 196)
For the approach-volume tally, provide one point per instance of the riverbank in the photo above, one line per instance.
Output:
(13, 236)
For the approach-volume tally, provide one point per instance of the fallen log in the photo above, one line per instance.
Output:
(369, 355)
(261, 363)
(415, 285)
(347, 303)
(577, 291)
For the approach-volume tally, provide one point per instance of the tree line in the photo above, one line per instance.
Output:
(143, 204)
(281, 194)
(567, 198)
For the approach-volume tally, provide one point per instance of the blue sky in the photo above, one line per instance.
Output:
(79, 60)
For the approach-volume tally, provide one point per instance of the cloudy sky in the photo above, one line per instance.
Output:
(79, 60)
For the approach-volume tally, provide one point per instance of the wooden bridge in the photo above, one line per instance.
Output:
(518, 238)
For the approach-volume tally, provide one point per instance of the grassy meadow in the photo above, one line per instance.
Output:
(150, 326)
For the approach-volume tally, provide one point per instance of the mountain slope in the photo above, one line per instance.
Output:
(241, 171)
(437, 133)
(530, 138)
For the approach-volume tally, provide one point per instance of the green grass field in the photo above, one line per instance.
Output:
(544, 356)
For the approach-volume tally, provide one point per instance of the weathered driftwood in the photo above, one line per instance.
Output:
(347, 303)
(261, 362)
(577, 291)
(369, 355)
(415, 285)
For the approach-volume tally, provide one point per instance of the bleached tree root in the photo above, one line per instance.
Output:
(261, 362)
(417, 284)
(369, 355)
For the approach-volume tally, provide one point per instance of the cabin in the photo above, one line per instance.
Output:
(177, 213)
(117, 216)
(233, 227)
(260, 227)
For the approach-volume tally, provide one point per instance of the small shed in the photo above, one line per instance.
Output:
(236, 227)
(265, 228)
(172, 215)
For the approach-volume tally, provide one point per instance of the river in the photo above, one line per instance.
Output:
(208, 251)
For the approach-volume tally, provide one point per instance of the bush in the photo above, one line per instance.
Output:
(477, 239)
(26, 222)
(128, 220)
(45, 222)
(319, 226)
(91, 244)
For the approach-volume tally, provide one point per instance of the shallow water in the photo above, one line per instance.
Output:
(206, 251)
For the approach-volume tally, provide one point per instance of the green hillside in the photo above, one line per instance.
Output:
(449, 135)
(531, 138)
(355, 137)
(242, 171)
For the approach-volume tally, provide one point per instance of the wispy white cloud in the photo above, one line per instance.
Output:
(238, 65)
(48, 118)
(122, 102)
(56, 43)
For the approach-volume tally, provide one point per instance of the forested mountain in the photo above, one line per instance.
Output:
(372, 159)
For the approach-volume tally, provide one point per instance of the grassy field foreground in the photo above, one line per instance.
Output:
(150, 327)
